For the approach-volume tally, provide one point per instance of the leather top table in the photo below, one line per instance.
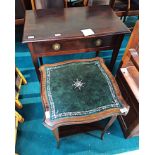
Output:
(78, 92)
(58, 31)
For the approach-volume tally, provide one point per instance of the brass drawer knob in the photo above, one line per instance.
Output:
(56, 46)
(98, 42)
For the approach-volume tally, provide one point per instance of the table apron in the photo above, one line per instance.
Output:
(60, 47)
(51, 53)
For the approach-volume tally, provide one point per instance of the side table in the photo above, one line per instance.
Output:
(79, 92)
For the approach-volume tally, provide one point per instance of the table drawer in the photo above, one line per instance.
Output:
(69, 45)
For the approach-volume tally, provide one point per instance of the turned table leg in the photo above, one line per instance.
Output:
(56, 134)
(110, 122)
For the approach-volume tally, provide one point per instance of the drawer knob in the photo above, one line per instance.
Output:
(56, 46)
(98, 42)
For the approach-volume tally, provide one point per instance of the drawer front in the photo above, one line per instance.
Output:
(71, 45)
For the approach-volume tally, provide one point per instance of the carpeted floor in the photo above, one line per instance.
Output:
(34, 139)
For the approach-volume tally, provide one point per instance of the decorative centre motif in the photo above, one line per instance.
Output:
(78, 84)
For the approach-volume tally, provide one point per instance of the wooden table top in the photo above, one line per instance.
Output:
(67, 23)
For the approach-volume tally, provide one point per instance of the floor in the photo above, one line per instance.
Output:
(34, 139)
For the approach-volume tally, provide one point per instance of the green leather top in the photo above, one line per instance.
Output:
(78, 89)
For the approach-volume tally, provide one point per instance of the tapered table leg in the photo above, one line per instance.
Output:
(56, 134)
(112, 119)
(41, 61)
(97, 53)
(34, 59)
(115, 52)
(36, 65)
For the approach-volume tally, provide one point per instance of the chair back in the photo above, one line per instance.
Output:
(19, 9)
(96, 2)
(47, 4)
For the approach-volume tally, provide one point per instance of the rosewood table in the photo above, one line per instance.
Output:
(79, 92)
(53, 32)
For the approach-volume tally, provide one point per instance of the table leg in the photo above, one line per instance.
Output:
(56, 134)
(34, 59)
(112, 119)
(36, 65)
(112, 4)
(118, 42)
(97, 53)
(41, 61)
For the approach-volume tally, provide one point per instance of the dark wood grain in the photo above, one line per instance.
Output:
(116, 48)
(19, 12)
(42, 25)
(81, 45)
(46, 4)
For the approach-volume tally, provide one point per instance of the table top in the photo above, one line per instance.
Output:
(67, 23)
(78, 89)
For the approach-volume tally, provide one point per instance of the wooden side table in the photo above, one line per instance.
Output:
(79, 92)
(53, 32)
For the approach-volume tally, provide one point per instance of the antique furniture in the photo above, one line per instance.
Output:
(46, 4)
(79, 92)
(127, 78)
(19, 12)
(122, 8)
(19, 80)
(96, 2)
(125, 8)
(73, 30)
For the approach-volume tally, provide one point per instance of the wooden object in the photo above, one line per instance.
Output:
(56, 116)
(122, 8)
(19, 80)
(46, 4)
(113, 118)
(19, 12)
(125, 8)
(132, 44)
(58, 32)
(127, 78)
(96, 2)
